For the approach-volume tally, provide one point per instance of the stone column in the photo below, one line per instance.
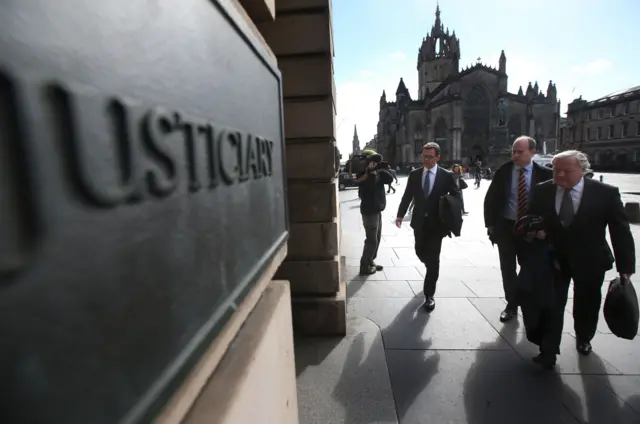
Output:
(301, 38)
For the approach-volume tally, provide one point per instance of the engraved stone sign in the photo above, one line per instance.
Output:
(142, 193)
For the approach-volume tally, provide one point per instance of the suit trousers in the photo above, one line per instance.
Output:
(373, 233)
(510, 249)
(587, 298)
(428, 240)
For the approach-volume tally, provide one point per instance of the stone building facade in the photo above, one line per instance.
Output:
(607, 129)
(468, 111)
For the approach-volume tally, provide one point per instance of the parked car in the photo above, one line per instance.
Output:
(345, 180)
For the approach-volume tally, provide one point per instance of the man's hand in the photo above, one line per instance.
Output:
(541, 235)
(625, 277)
(398, 222)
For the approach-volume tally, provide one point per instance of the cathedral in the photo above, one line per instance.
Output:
(468, 112)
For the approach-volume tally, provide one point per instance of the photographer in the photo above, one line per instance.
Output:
(372, 192)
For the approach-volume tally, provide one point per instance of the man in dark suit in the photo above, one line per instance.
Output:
(425, 186)
(577, 211)
(507, 200)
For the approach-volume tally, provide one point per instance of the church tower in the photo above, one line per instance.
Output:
(356, 141)
(438, 57)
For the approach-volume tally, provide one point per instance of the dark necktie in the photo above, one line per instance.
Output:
(427, 184)
(566, 209)
(523, 202)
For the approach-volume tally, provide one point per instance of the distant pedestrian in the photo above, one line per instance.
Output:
(458, 177)
(395, 177)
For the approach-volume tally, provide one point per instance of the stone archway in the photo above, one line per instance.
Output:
(477, 119)
(476, 154)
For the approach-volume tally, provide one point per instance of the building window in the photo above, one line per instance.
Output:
(627, 108)
(610, 131)
(599, 133)
(588, 134)
(600, 113)
(586, 115)
(613, 111)
(625, 129)
(638, 130)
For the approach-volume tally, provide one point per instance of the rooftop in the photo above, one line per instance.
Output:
(617, 95)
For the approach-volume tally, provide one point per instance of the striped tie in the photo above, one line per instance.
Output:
(523, 202)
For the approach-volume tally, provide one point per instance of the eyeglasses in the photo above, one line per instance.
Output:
(429, 156)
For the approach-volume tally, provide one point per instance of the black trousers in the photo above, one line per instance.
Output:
(587, 298)
(373, 233)
(510, 249)
(428, 240)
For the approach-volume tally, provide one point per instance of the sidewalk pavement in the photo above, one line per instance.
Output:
(458, 364)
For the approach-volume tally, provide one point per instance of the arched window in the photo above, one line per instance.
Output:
(441, 136)
(477, 118)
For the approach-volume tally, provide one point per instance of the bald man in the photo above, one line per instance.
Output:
(507, 200)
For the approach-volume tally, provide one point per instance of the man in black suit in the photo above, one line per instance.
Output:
(425, 186)
(577, 211)
(507, 200)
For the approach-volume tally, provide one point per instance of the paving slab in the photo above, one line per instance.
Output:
(484, 386)
(379, 289)
(455, 324)
(345, 380)
(445, 288)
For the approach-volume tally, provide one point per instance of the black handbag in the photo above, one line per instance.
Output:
(621, 309)
(463, 184)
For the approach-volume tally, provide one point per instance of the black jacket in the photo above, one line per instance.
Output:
(443, 185)
(495, 201)
(583, 246)
(451, 214)
(372, 192)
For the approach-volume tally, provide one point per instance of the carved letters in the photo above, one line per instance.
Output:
(117, 152)
(18, 223)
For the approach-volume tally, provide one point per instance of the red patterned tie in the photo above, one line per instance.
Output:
(522, 194)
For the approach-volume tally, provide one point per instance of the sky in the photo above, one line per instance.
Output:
(588, 48)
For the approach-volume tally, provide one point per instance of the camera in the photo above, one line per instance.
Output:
(357, 164)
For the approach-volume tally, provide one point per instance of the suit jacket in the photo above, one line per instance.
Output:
(582, 246)
(451, 214)
(495, 201)
(444, 184)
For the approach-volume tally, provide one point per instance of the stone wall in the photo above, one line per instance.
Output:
(301, 38)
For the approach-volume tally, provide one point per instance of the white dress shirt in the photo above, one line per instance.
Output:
(432, 177)
(576, 196)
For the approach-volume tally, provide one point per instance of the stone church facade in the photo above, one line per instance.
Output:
(469, 111)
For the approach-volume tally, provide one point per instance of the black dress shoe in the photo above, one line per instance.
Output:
(378, 267)
(584, 348)
(367, 270)
(545, 361)
(507, 315)
(429, 303)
